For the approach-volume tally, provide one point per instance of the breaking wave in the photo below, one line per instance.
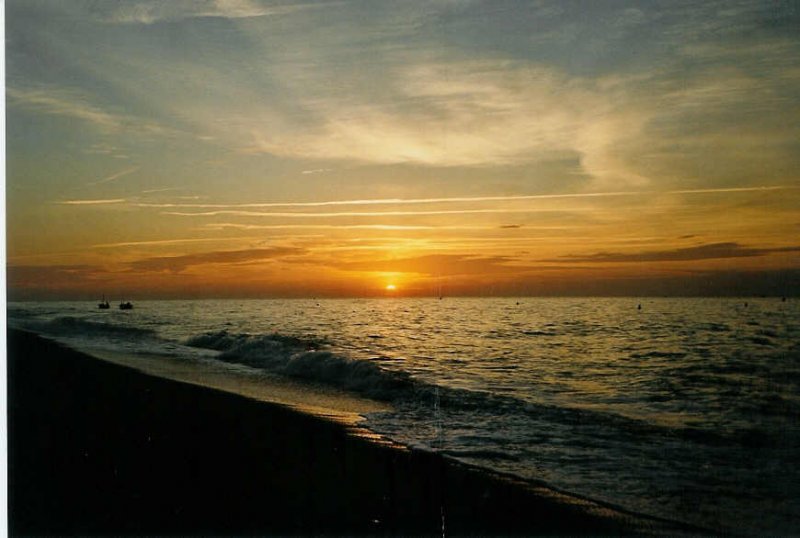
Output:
(307, 359)
(302, 358)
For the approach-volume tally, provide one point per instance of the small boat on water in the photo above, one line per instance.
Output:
(126, 305)
(103, 305)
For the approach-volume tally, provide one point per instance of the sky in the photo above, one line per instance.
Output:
(249, 148)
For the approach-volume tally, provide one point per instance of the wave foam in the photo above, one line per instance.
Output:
(300, 358)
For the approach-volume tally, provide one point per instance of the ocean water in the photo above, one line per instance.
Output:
(688, 409)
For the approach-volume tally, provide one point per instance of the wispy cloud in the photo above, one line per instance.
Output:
(392, 201)
(45, 277)
(105, 149)
(114, 176)
(701, 252)
(164, 189)
(425, 105)
(156, 242)
(466, 114)
(64, 103)
(74, 104)
(468, 199)
(93, 202)
(152, 11)
(354, 213)
(623, 130)
(387, 227)
(438, 264)
(176, 264)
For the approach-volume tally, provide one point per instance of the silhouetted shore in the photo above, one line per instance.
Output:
(96, 448)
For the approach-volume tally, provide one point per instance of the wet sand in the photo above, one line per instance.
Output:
(98, 449)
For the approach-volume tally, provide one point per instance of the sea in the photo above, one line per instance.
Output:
(681, 408)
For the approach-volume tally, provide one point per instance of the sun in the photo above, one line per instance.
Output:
(390, 287)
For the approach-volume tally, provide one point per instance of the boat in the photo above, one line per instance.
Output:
(103, 305)
(126, 305)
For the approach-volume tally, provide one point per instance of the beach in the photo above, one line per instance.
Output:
(97, 448)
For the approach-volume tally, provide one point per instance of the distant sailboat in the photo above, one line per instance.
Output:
(126, 305)
(103, 305)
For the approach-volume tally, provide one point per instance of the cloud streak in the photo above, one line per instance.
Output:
(115, 176)
(353, 213)
(703, 252)
(438, 264)
(394, 201)
(177, 264)
(107, 201)
(73, 104)
(470, 199)
(154, 11)
(387, 227)
(44, 279)
(156, 242)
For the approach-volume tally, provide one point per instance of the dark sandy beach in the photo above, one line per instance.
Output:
(100, 449)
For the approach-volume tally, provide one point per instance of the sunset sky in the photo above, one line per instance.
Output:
(247, 148)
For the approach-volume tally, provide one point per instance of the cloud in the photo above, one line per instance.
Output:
(642, 114)
(623, 130)
(176, 264)
(510, 226)
(43, 279)
(438, 264)
(168, 242)
(153, 11)
(44, 273)
(105, 149)
(64, 103)
(624, 126)
(219, 211)
(117, 175)
(656, 127)
(93, 202)
(702, 252)
(387, 227)
(404, 201)
(468, 199)
(74, 104)
(779, 282)
(352, 213)
(454, 114)
(163, 189)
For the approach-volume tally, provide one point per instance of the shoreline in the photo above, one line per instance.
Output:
(100, 448)
(306, 398)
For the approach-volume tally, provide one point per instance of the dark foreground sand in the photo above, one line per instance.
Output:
(96, 448)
